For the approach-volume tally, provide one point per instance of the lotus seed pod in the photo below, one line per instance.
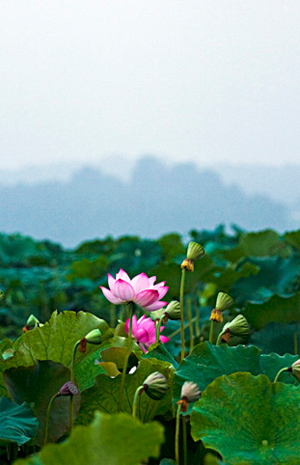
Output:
(157, 314)
(94, 337)
(194, 251)
(189, 393)
(173, 310)
(68, 389)
(224, 301)
(238, 327)
(156, 385)
(295, 368)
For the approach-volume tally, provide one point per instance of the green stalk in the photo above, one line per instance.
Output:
(219, 342)
(197, 322)
(138, 392)
(47, 418)
(211, 332)
(177, 331)
(184, 440)
(177, 430)
(189, 315)
(279, 373)
(296, 340)
(112, 311)
(182, 314)
(130, 305)
(73, 381)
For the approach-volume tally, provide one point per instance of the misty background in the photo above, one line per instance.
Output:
(145, 117)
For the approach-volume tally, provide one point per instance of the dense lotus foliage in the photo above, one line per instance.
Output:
(129, 351)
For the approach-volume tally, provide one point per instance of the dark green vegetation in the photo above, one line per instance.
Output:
(243, 417)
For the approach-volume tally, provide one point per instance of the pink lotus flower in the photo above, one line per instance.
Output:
(143, 330)
(141, 290)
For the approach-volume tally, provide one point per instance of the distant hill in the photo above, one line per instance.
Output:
(157, 199)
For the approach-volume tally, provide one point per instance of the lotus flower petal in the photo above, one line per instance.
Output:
(140, 282)
(162, 291)
(111, 283)
(143, 330)
(155, 306)
(110, 296)
(146, 298)
(124, 290)
(123, 275)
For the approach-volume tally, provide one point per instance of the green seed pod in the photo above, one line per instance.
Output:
(156, 385)
(173, 310)
(93, 337)
(224, 301)
(157, 314)
(194, 251)
(295, 369)
(238, 328)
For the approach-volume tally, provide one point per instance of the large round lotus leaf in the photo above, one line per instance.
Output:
(17, 422)
(109, 440)
(207, 362)
(276, 309)
(249, 420)
(36, 385)
(104, 394)
(55, 340)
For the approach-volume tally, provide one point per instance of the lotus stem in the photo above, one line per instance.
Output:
(177, 430)
(279, 373)
(47, 418)
(189, 315)
(73, 381)
(184, 440)
(197, 321)
(177, 331)
(182, 314)
(296, 340)
(130, 305)
(211, 332)
(112, 311)
(138, 392)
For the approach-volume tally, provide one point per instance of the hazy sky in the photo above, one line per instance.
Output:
(209, 81)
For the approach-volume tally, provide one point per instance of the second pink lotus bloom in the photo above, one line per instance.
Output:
(143, 331)
(141, 290)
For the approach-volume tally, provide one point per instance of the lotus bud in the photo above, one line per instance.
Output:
(194, 252)
(238, 327)
(189, 393)
(295, 369)
(156, 385)
(68, 389)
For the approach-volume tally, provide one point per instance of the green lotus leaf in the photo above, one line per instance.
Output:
(36, 385)
(161, 353)
(249, 420)
(104, 394)
(276, 309)
(293, 238)
(55, 340)
(276, 276)
(263, 244)
(207, 362)
(110, 439)
(17, 422)
(276, 337)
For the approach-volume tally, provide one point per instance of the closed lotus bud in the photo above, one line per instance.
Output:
(295, 369)
(224, 301)
(173, 310)
(189, 393)
(238, 327)
(94, 337)
(156, 385)
(68, 389)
